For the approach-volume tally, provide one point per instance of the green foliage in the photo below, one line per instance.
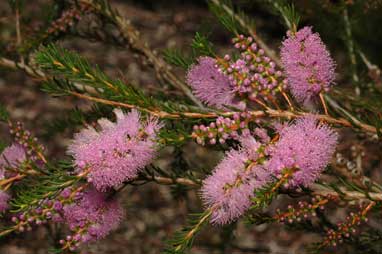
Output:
(234, 20)
(183, 239)
(202, 46)
(33, 189)
(227, 20)
(49, 12)
(176, 58)
(74, 74)
(3, 145)
(257, 218)
(73, 67)
(4, 115)
(55, 251)
(369, 242)
(287, 11)
(74, 118)
(264, 196)
(370, 104)
(175, 134)
(58, 87)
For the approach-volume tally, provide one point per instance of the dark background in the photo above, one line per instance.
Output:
(153, 214)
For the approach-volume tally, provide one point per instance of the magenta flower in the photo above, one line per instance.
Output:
(228, 191)
(210, 85)
(118, 151)
(307, 64)
(305, 145)
(4, 197)
(11, 157)
(92, 216)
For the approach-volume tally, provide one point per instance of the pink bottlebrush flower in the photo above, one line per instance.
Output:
(210, 85)
(92, 216)
(305, 145)
(118, 151)
(307, 64)
(262, 135)
(231, 186)
(11, 157)
(4, 197)
(250, 145)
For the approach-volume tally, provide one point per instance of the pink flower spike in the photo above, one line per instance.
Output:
(12, 156)
(118, 151)
(307, 63)
(210, 85)
(305, 145)
(97, 213)
(231, 186)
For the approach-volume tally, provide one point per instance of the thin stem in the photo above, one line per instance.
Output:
(18, 29)
(286, 97)
(353, 120)
(160, 114)
(324, 104)
(133, 38)
(313, 207)
(346, 195)
(274, 102)
(190, 235)
(169, 181)
(208, 115)
(251, 31)
(280, 182)
(8, 182)
(22, 66)
(350, 47)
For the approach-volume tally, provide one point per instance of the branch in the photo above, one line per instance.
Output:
(132, 37)
(319, 189)
(170, 181)
(4, 62)
(208, 115)
(259, 113)
(34, 72)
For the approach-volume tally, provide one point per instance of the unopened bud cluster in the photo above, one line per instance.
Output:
(304, 210)
(26, 140)
(347, 228)
(254, 73)
(223, 129)
(67, 19)
(45, 211)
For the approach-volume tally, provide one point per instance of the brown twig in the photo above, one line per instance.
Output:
(132, 37)
(178, 115)
(312, 207)
(286, 97)
(4, 62)
(8, 182)
(169, 181)
(346, 194)
(324, 104)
